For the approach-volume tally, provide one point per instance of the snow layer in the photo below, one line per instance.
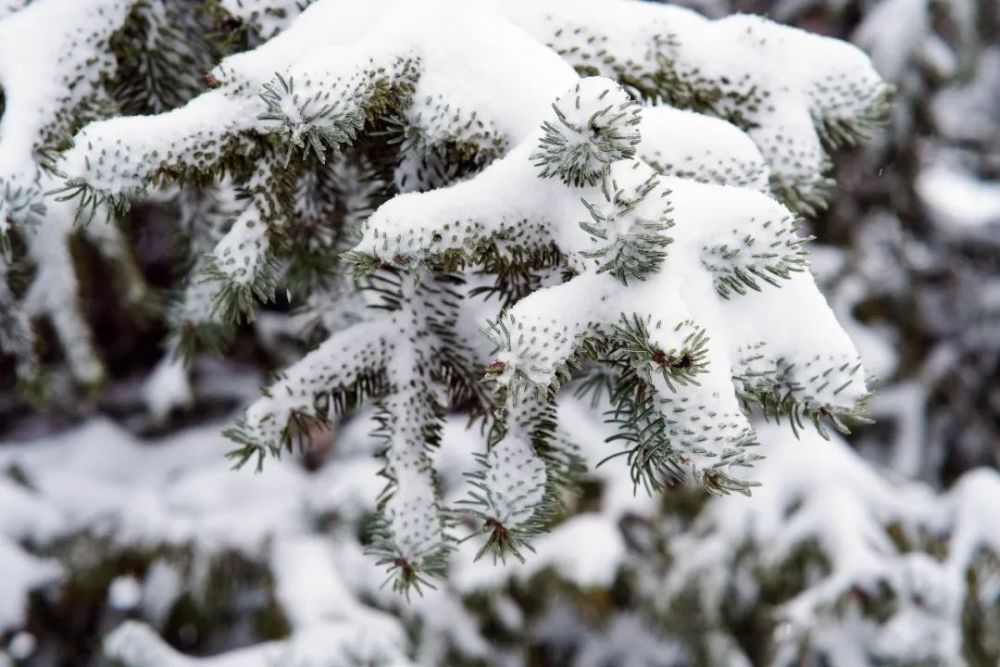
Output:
(179, 491)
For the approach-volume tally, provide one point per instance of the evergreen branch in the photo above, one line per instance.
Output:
(18, 339)
(21, 207)
(631, 221)
(516, 271)
(89, 200)
(244, 265)
(299, 431)
(313, 123)
(406, 574)
(805, 392)
(362, 264)
(236, 301)
(192, 337)
(806, 197)
(268, 437)
(527, 370)
(502, 252)
(510, 536)
(193, 327)
(747, 261)
(595, 126)
(631, 346)
(660, 435)
(319, 116)
(643, 430)
(410, 533)
(596, 381)
(160, 51)
(454, 360)
(838, 131)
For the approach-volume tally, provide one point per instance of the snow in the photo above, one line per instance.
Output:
(54, 56)
(685, 144)
(962, 201)
(892, 33)
(181, 491)
(776, 80)
(811, 489)
(819, 490)
(190, 497)
(161, 587)
(37, 86)
(331, 43)
(125, 593)
(168, 387)
(22, 645)
(967, 110)
(22, 573)
(378, 34)
(269, 17)
(586, 550)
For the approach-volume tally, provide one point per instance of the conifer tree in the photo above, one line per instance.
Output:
(473, 210)
(474, 223)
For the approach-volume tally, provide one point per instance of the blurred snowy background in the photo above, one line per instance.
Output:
(881, 549)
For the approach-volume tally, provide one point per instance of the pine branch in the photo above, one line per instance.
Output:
(519, 485)
(807, 390)
(748, 261)
(631, 221)
(631, 346)
(596, 125)
(90, 202)
(313, 123)
(20, 207)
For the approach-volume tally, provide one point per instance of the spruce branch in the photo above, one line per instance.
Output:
(245, 265)
(595, 125)
(161, 54)
(520, 484)
(820, 390)
(236, 300)
(630, 222)
(808, 196)
(17, 337)
(745, 260)
(316, 115)
(92, 203)
(314, 123)
(595, 383)
(191, 337)
(406, 574)
(660, 436)
(410, 534)
(838, 130)
(525, 358)
(273, 431)
(631, 346)
(557, 218)
(832, 102)
(644, 432)
(21, 207)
